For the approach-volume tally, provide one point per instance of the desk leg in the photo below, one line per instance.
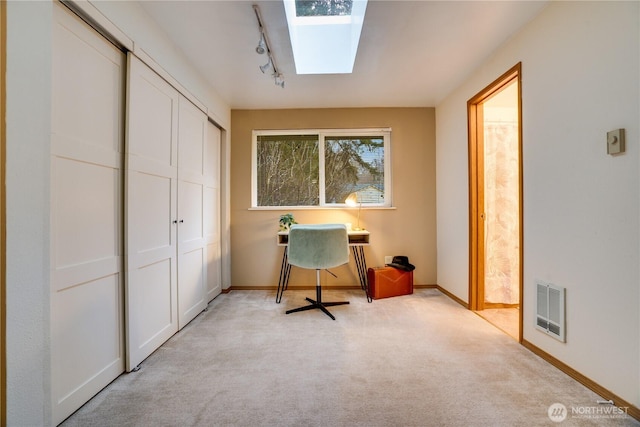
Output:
(283, 281)
(361, 266)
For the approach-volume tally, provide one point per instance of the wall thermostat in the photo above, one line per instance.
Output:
(615, 141)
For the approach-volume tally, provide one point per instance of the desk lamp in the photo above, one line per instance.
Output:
(352, 200)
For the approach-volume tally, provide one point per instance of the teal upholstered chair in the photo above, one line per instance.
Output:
(318, 246)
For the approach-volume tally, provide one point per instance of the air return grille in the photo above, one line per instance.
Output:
(550, 310)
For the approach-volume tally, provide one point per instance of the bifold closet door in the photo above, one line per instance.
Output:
(192, 250)
(212, 211)
(151, 212)
(87, 319)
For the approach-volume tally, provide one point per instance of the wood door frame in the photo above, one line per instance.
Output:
(476, 188)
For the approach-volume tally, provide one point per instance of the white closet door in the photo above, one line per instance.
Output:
(192, 250)
(87, 321)
(151, 222)
(212, 211)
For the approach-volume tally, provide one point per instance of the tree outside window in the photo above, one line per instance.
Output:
(323, 7)
(320, 168)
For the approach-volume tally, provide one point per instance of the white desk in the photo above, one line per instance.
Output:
(357, 241)
(356, 238)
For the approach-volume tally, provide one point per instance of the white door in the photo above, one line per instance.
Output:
(212, 211)
(192, 250)
(151, 212)
(87, 320)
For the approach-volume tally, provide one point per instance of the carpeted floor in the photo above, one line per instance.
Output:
(415, 360)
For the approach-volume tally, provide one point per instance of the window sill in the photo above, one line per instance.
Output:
(318, 208)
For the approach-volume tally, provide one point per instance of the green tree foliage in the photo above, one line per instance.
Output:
(323, 7)
(350, 162)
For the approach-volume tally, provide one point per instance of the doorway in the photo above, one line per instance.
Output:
(495, 200)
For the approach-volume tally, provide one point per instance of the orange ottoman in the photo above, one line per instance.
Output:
(385, 282)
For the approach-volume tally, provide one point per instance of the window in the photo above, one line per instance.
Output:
(321, 168)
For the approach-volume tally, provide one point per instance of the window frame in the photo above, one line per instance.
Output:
(322, 133)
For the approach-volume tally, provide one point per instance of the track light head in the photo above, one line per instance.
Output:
(266, 66)
(279, 80)
(262, 46)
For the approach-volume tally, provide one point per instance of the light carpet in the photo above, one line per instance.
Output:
(414, 360)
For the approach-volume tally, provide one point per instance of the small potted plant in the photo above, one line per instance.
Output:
(286, 221)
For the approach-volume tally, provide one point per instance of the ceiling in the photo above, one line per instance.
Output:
(411, 53)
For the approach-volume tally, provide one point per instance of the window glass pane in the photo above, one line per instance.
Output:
(354, 164)
(323, 7)
(287, 172)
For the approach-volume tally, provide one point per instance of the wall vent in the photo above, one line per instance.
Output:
(550, 317)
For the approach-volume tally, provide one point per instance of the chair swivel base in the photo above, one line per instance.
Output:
(319, 305)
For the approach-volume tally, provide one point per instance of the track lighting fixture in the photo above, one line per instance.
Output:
(279, 80)
(266, 66)
(263, 47)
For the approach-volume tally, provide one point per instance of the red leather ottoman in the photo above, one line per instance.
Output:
(385, 282)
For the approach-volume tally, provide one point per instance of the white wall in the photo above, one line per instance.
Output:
(580, 79)
(28, 127)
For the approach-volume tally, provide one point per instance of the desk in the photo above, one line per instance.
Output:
(357, 241)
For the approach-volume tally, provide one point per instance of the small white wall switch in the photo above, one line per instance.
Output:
(615, 141)
(388, 259)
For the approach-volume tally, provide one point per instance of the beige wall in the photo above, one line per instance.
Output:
(407, 229)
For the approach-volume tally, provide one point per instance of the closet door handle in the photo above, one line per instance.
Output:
(181, 221)
(175, 221)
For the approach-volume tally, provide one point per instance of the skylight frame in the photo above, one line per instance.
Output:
(325, 44)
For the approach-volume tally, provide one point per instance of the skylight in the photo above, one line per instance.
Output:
(325, 34)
